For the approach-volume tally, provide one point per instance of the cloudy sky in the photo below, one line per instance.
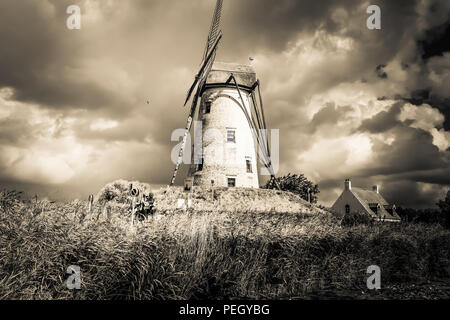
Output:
(371, 105)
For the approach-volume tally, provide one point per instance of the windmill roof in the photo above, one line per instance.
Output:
(221, 71)
(234, 67)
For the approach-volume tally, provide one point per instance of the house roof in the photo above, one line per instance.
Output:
(368, 198)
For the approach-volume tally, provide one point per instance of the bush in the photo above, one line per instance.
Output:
(297, 184)
(119, 191)
(354, 219)
(444, 205)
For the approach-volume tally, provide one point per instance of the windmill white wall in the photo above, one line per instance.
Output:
(223, 159)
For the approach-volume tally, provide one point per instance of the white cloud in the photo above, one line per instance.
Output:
(102, 124)
(427, 118)
(46, 161)
(334, 158)
(441, 138)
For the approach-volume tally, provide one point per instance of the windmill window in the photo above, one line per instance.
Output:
(231, 182)
(249, 166)
(208, 107)
(347, 208)
(200, 165)
(231, 136)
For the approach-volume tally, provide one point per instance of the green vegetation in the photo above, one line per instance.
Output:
(229, 247)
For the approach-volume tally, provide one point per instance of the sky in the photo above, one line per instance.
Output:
(81, 108)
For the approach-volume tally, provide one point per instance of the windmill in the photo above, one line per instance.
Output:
(231, 105)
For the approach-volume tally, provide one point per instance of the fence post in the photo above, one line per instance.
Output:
(135, 193)
(188, 202)
(133, 210)
(90, 203)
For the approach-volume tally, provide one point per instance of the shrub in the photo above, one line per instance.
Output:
(119, 191)
(355, 218)
(444, 205)
(297, 184)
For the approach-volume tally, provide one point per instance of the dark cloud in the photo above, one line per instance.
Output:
(273, 25)
(436, 41)
(411, 194)
(382, 121)
(411, 150)
(380, 72)
(330, 114)
(419, 97)
(41, 59)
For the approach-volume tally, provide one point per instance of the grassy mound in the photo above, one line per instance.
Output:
(234, 200)
(116, 196)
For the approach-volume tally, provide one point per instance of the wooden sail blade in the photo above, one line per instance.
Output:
(186, 132)
(262, 116)
(191, 89)
(212, 42)
(207, 64)
(257, 113)
(214, 29)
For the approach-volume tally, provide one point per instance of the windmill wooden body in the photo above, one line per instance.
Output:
(233, 128)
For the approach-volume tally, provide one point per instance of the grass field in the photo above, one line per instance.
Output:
(227, 246)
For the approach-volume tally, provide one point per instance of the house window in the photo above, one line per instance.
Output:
(208, 107)
(347, 208)
(249, 166)
(231, 182)
(231, 135)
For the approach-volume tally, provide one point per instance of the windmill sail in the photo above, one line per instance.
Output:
(183, 144)
(205, 68)
(214, 31)
(209, 56)
(257, 125)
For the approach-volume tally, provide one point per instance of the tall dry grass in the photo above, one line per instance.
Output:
(215, 253)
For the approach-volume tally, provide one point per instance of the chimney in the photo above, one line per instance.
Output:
(375, 188)
(348, 184)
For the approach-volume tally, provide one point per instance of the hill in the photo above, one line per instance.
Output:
(235, 200)
(219, 200)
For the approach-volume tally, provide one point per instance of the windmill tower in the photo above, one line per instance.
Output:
(233, 127)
